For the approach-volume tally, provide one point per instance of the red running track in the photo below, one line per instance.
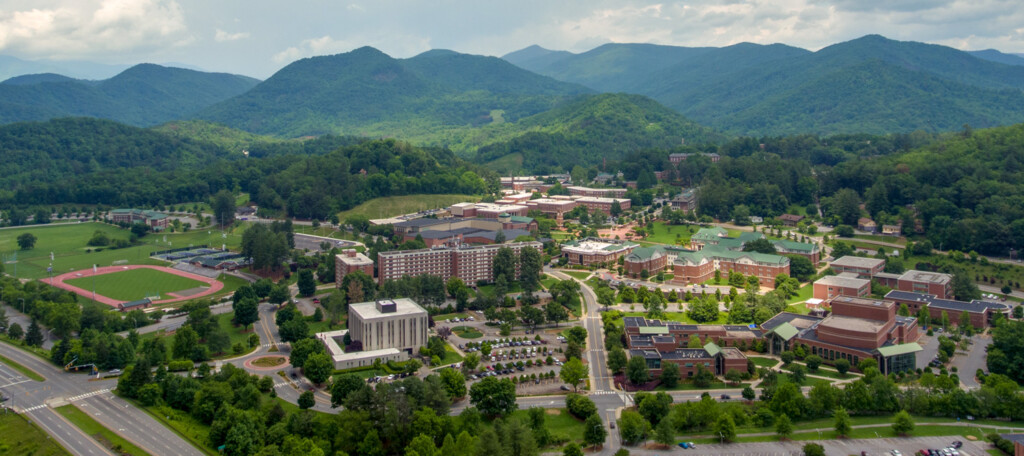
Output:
(215, 285)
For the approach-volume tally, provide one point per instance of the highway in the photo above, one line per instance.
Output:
(37, 398)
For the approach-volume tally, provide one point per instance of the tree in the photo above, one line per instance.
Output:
(34, 336)
(725, 428)
(577, 334)
(787, 357)
(15, 332)
(703, 377)
(493, 397)
(665, 433)
(964, 289)
(26, 241)
(783, 426)
(902, 423)
(965, 322)
(800, 267)
(846, 205)
(531, 316)
(343, 386)
(813, 362)
(633, 428)
(842, 365)
(306, 283)
(454, 383)
(813, 449)
(759, 245)
(302, 349)
(504, 265)
(842, 423)
(530, 266)
(636, 370)
(318, 368)
(733, 376)
(748, 393)
(573, 372)
(594, 432)
(556, 312)
(670, 374)
(294, 329)
(572, 449)
(279, 294)
(246, 312)
(616, 359)
(223, 206)
(306, 400)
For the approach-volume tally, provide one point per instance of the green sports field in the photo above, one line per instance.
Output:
(136, 284)
(68, 244)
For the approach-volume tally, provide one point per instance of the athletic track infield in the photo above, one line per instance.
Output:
(58, 281)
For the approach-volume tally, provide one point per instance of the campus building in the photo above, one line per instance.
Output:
(865, 268)
(155, 220)
(681, 157)
(447, 231)
(350, 260)
(685, 201)
(638, 329)
(719, 237)
(487, 210)
(472, 264)
(389, 330)
(651, 259)
(857, 329)
(595, 203)
(700, 266)
(980, 312)
(844, 284)
(593, 250)
(935, 283)
(598, 192)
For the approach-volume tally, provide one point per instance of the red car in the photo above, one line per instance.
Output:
(316, 300)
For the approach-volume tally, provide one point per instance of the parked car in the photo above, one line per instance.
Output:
(726, 397)
(957, 444)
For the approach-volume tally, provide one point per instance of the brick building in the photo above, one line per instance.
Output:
(698, 267)
(808, 250)
(844, 284)
(685, 201)
(350, 260)
(681, 157)
(436, 232)
(857, 329)
(723, 335)
(935, 283)
(790, 219)
(472, 264)
(651, 259)
(865, 268)
(155, 220)
(592, 250)
(487, 210)
(981, 312)
(593, 203)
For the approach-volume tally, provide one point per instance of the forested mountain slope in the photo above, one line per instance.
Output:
(142, 95)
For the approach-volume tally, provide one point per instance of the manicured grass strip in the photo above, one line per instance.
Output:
(723, 317)
(828, 423)
(22, 369)
(884, 432)
(391, 206)
(450, 355)
(803, 294)
(581, 275)
(21, 437)
(763, 362)
(183, 424)
(135, 284)
(467, 332)
(97, 431)
(686, 386)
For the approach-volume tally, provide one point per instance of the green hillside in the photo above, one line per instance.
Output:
(366, 92)
(142, 95)
(871, 84)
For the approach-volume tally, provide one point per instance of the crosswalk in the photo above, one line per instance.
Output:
(599, 393)
(87, 395)
(30, 409)
(280, 384)
(272, 345)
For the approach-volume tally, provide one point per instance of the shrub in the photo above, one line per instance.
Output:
(580, 406)
(180, 366)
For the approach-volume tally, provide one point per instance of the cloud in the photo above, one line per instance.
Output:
(221, 36)
(86, 28)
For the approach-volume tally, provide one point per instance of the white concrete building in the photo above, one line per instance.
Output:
(401, 324)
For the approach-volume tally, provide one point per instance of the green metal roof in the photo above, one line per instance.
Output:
(654, 330)
(900, 349)
(786, 331)
(795, 246)
(748, 236)
(520, 219)
(645, 253)
(709, 233)
(712, 349)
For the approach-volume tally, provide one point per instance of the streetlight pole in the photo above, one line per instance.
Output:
(22, 304)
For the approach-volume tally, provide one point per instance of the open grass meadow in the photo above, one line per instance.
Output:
(681, 317)
(671, 234)
(397, 205)
(135, 284)
(68, 242)
(98, 432)
(21, 437)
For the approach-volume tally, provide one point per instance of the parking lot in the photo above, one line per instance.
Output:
(872, 447)
(967, 363)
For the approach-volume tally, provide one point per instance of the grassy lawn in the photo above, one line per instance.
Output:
(97, 431)
(136, 284)
(581, 275)
(878, 237)
(799, 309)
(467, 332)
(450, 355)
(824, 371)
(68, 244)
(865, 433)
(184, 424)
(22, 437)
(804, 293)
(548, 281)
(397, 205)
(557, 421)
(488, 290)
(671, 234)
(235, 335)
(681, 317)
(21, 369)
(763, 362)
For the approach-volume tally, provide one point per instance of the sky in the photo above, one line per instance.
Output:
(258, 37)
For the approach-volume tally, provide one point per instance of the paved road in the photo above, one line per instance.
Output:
(967, 363)
(873, 447)
(36, 398)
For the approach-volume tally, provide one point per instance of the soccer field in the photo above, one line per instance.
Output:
(136, 284)
(68, 242)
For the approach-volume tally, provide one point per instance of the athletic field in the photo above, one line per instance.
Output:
(134, 284)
